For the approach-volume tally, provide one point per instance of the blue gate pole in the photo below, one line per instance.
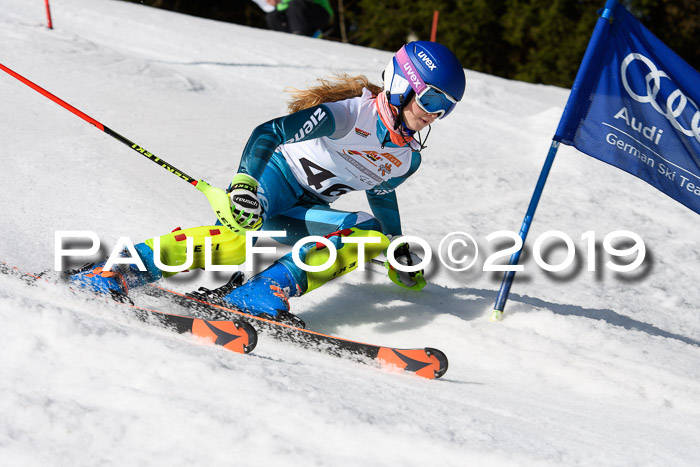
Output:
(594, 46)
(524, 229)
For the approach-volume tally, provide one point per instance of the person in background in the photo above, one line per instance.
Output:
(302, 17)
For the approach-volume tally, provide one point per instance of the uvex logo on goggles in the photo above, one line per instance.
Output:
(428, 97)
(409, 70)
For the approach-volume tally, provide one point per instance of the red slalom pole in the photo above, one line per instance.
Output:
(100, 126)
(433, 33)
(48, 14)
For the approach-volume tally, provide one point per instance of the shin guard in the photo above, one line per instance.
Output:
(227, 247)
(347, 259)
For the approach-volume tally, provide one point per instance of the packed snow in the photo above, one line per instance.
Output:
(586, 368)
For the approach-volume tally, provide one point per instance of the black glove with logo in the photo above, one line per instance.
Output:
(408, 280)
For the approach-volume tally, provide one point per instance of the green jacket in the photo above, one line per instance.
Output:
(326, 4)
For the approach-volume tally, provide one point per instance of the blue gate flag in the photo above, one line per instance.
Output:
(634, 105)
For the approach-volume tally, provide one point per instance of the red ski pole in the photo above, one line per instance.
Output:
(100, 126)
(216, 196)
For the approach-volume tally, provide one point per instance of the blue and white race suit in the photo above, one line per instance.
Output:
(306, 160)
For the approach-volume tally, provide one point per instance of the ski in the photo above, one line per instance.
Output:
(232, 334)
(425, 362)
(238, 331)
(235, 334)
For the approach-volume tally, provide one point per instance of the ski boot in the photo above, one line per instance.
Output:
(117, 281)
(266, 295)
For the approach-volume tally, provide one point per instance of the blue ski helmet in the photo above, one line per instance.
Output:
(431, 71)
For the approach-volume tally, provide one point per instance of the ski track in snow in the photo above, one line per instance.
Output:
(587, 368)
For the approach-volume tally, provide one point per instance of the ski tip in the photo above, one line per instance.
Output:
(237, 335)
(428, 363)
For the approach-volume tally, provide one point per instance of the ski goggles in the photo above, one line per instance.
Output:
(428, 97)
(434, 101)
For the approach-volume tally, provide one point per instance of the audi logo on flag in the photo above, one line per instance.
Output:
(677, 105)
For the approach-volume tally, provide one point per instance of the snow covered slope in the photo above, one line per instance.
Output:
(587, 368)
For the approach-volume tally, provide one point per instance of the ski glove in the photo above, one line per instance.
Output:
(245, 205)
(408, 280)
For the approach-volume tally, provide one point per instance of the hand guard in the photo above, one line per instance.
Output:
(245, 205)
(407, 280)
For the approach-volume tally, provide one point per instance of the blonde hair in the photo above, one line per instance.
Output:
(333, 89)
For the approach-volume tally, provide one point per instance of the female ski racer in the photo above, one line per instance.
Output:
(340, 136)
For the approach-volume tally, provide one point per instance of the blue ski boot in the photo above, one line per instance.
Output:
(120, 279)
(267, 295)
